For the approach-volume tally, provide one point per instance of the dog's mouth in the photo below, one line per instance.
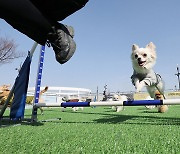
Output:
(141, 63)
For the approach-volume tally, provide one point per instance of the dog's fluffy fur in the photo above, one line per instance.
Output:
(143, 60)
(161, 108)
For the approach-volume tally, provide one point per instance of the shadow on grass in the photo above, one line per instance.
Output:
(134, 119)
(146, 117)
(6, 122)
(151, 120)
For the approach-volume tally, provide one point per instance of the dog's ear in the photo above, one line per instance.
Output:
(151, 46)
(135, 47)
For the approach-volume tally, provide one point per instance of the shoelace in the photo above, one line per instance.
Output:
(59, 38)
(49, 44)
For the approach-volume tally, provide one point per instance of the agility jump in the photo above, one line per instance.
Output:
(111, 103)
(36, 104)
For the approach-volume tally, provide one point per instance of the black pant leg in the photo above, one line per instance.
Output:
(58, 10)
(26, 18)
(35, 18)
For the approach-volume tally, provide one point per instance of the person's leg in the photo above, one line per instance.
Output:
(26, 18)
(58, 10)
(34, 22)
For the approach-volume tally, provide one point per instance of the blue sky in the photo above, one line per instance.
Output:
(104, 32)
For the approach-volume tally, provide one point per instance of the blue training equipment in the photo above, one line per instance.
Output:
(38, 84)
(19, 90)
(112, 103)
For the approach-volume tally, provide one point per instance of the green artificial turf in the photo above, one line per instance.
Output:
(98, 130)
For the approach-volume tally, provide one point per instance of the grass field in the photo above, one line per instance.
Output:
(97, 130)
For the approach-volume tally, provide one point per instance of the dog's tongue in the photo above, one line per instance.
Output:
(141, 63)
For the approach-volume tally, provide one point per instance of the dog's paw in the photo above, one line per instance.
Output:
(162, 108)
(140, 86)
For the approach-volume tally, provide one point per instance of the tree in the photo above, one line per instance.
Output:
(8, 51)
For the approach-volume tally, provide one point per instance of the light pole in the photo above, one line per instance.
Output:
(105, 93)
(178, 75)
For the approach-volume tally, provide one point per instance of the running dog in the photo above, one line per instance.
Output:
(143, 60)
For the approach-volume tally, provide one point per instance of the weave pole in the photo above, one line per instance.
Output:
(38, 84)
(112, 103)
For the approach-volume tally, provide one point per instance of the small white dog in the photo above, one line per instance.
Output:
(119, 98)
(143, 60)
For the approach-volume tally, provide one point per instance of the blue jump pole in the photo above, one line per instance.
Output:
(38, 84)
(112, 103)
(142, 102)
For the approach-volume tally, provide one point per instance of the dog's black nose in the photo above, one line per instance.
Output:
(139, 59)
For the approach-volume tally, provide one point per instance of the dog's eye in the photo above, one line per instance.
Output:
(136, 56)
(144, 55)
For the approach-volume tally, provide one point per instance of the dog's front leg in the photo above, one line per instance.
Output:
(135, 82)
(140, 85)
